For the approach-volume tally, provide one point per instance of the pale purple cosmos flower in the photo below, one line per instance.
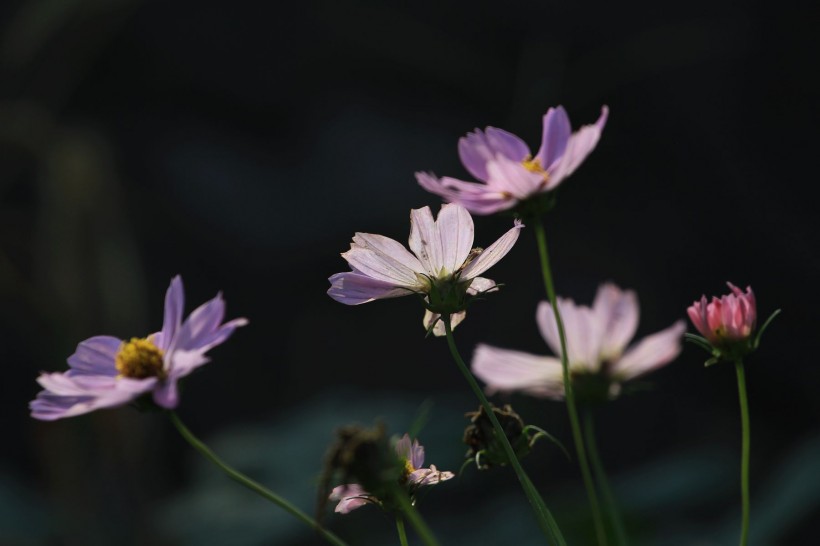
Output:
(413, 477)
(728, 319)
(508, 171)
(106, 371)
(597, 339)
(443, 267)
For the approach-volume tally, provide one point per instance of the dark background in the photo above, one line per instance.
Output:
(241, 145)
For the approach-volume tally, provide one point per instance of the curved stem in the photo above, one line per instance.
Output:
(260, 490)
(744, 457)
(409, 511)
(545, 520)
(400, 529)
(615, 519)
(594, 504)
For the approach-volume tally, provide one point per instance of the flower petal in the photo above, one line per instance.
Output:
(95, 356)
(652, 352)
(505, 370)
(477, 198)
(68, 396)
(580, 145)
(354, 288)
(507, 144)
(493, 253)
(350, 497)
(428, 476)
(618, 313)
(482, 285)
(384, 259)
(439, 330)
(456, 229)
(166, 395)
(425, 241)
(513, 178)
(475, 151)
(174, 307)
(556, 133)
(583, 333)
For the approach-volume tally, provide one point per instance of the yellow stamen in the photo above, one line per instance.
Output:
(534, 166)
(139, 358)
(408, 468)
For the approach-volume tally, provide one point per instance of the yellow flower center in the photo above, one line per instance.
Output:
(139, 358)
(534, 166)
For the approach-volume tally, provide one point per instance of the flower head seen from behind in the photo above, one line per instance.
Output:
(106, 371)
(508, 171)
(413, 477)
(597, 339)
(727, 324)
(443, 267)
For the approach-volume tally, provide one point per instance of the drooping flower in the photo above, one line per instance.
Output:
(486, 450)
(412, 477)
(508, 171)
(727, 324)
(597, 339)
(106, 371)
(443, 268)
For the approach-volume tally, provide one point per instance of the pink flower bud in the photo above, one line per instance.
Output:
(726, 320)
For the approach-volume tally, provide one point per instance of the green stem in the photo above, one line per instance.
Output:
(400, 529)
(594, 505)
(744, 458)
(250, 484)
(409, 511)
(615, 519)
(545, 520)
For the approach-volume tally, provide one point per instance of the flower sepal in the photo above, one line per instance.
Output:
(536, 206)
(447, 296)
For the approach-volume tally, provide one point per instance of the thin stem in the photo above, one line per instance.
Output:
(594, 505)
(615, 519)
(260, 490)
(744, 458)
(545, 520)
(409, 511)
(400, 529)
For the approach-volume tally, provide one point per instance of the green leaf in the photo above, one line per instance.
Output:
(763, 328)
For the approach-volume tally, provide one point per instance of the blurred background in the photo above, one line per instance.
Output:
(241, 145)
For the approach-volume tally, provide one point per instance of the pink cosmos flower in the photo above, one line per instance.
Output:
(352, 495)
(597, 339)
(508, 171)
(106, 371)
(727, 320)
(444, 267)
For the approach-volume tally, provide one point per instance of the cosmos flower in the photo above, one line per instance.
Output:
(508, 171)
(597, 339)
(106, 371)
(412, 478)
(728, 319)
(443, 268)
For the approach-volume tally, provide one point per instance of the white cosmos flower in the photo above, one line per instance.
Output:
(443, 266)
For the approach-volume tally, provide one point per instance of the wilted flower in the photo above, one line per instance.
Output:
(485, 449)
(411, 478)
(597, 338)
(727, 323)
(444, 267)
(107, 371)
(507, 169)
